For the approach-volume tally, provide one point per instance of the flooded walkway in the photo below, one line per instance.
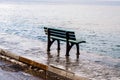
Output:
(13, 71)
(90, 66)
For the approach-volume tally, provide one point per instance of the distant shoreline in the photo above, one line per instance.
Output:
(109, 3)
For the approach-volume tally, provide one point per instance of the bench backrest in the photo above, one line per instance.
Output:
(68, 35)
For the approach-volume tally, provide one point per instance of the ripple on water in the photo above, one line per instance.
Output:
(117, 45)
(117, 65)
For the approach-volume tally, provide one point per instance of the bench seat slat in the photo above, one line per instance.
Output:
(77, 41)
(72, 41)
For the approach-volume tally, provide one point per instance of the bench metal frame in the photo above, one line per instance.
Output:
(58, 35)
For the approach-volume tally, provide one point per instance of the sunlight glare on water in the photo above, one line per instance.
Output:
(99, 25)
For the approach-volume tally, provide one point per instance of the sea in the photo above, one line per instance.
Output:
(98, 25)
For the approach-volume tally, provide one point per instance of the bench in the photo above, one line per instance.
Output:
(58, 35)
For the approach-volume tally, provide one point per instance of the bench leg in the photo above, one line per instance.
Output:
(78, 53)
(58, 48)
(58, 41)
(68, 47)
(49, 44)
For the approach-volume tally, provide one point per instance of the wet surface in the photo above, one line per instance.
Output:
(12, 71)
(93, 66)
(101, 34)
(12, 68)
(93, 69)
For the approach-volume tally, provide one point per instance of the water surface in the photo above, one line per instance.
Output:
(99, 25)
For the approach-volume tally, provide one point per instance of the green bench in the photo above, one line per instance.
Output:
(58, 35)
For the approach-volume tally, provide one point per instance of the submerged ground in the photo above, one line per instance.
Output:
(21, 32)
(92, 66)
(12, 71)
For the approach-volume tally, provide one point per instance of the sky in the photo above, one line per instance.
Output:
(114, 2)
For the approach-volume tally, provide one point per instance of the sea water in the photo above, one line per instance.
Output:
(98, 25)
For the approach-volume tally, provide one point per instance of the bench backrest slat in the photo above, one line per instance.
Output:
(72, 35)
(57, 33)
(60, 33)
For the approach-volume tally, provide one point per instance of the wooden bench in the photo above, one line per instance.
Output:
(58, 35)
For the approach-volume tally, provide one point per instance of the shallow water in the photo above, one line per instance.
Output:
(98, 25)
(12, 71)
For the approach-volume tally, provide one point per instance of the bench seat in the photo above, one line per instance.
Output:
(72, 41)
